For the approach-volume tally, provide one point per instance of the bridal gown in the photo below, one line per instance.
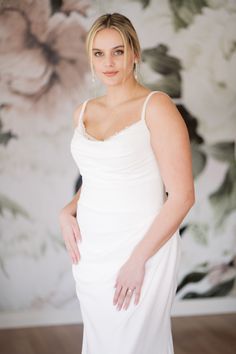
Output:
(121, 194)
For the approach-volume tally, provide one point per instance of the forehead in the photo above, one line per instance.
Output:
(107, 38)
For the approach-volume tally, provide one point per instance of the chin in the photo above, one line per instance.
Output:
(109, 82)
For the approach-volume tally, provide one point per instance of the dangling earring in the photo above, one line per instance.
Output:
(94, 88)
(93, 78)
(135, 71)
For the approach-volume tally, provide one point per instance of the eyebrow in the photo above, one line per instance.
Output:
(118, 46)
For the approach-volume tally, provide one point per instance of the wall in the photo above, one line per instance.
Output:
(189, 52)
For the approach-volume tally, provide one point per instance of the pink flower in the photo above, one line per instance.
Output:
(43, 61)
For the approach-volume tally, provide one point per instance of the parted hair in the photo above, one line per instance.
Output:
(123, 25)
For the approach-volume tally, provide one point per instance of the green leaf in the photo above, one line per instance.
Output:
(199, 160)
(5, 137)
(193, 277)
(13, 207)
(183, 11)
(223, 200)
(160, 61)
(221, 289)
(223, 151)
(144, 3)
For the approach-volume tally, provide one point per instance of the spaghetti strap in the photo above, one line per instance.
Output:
(79, 123)
(145, 104)
(142, 113)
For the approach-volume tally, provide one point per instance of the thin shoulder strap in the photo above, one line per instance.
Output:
(145, 104)
(79, 121)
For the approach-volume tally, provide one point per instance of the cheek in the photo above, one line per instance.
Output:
(97, 64)
(130, 63)
(121, 65)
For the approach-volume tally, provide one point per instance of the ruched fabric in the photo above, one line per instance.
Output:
(121, 194)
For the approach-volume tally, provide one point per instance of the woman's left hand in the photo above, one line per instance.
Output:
(130, 276)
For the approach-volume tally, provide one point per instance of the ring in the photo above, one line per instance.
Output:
(130, 290)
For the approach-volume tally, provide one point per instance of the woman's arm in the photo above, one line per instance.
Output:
(71, 207)
(67, 216)
(70, 228)
(170, 142)
(171, 146)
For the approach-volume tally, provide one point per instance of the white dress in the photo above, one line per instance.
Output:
(121, 193)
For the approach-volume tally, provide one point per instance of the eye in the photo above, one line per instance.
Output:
(97, 54)
(119, 52)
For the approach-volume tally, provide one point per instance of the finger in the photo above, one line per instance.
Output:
(73, 259)
(76, 258)
(73, 251)
(72, 245)
(76, 230)
(71, 254)
(127, 299)
(137, 295)
(68, 246)
(117, 293)
(121, 298)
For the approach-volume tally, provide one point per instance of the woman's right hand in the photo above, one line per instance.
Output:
(71, 234)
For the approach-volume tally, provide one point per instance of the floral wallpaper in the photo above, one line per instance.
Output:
(189, 52)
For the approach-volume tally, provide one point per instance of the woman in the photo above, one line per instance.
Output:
(121, 228)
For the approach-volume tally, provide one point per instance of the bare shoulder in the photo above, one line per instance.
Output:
(162, 113)
(92, 106)
(160, 102)
(76, 114)
(171, 145)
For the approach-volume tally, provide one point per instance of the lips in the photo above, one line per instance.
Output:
(110, 73)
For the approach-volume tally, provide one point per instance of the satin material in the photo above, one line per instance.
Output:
(121, 194)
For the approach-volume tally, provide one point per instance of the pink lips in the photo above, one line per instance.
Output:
(110, 73)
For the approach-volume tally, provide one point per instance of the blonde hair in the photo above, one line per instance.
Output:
(120, 23)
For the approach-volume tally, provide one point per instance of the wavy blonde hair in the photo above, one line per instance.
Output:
(120, 23)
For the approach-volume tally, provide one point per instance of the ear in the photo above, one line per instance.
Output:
(136, 59)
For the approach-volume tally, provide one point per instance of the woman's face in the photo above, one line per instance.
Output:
(108, 57)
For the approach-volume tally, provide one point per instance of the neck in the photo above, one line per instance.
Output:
(121, 93)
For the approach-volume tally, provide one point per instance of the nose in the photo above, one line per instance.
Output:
(109, 60)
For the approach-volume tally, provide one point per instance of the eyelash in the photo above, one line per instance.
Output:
(119, 50)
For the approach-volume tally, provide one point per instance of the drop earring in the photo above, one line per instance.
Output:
(94, 88)
(135, 71)
(93, 78)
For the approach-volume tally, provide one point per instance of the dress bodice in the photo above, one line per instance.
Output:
(119, 168)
